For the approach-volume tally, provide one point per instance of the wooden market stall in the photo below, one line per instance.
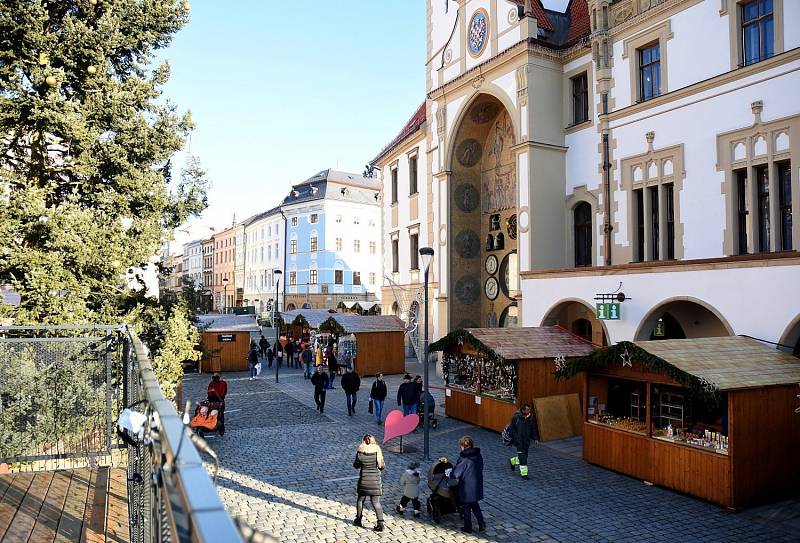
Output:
(226, 340)
(710, 417)
(299, 323)
(491, 372)
(379, 341)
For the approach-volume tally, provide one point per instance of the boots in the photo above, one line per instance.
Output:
(379, 527)
(357, 522)
(399, 509)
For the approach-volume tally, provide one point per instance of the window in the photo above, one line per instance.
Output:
(785, 205)
(338, 277)
(338, 244)
(582, 223)
(338, 218)
(372, 222)
(293, 247)
(356, 220)
(372, 247)
(312, 277)
(580, 99)
(757, 31)
(356, 278)
(669, 212)
(371, 278)
(654, 224)
(394, 185)
(649, 71)
(269, 252)
(413, 242)
(741, 211)
(412, 175)
(294, 221)
(313, 244)
(356, 246)
(762, 186)
(293, 278)
(314, 219)
(395, 256)
(638, 201)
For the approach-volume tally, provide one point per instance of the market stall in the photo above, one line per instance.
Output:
(490, 372)
(711, 417)
(376, 345)
(225, 340)
(299, 323)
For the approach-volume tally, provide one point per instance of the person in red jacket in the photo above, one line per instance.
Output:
(217, 388)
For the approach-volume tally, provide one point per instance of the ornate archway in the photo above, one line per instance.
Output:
(682, 317)
(578, 317)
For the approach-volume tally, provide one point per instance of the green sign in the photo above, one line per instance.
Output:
(607, 312)
(658, 330)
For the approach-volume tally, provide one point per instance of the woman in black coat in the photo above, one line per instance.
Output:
(369, 460)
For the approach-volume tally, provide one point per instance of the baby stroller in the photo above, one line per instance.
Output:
(444, 498)
(430, 405)
(209, 417)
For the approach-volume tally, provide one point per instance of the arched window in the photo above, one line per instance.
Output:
(582, 220)
(395, 309)
(582, 328)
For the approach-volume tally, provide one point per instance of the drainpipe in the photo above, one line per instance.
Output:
(607, 227)
(285, 273)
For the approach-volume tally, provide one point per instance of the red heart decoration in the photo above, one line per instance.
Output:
(397, 425)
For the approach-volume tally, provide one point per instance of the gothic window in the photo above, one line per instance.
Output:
(582, 216)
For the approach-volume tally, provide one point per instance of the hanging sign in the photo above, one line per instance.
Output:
(658, 330)
(607, 311)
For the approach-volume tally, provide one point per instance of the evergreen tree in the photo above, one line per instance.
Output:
(85, 148)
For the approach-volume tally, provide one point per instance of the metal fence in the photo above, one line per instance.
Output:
(61, 391)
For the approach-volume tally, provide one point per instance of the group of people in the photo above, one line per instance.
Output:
(466, 475)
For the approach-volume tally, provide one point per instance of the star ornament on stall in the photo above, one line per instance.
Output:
(626, 358)
(561, 362)
(710, 387)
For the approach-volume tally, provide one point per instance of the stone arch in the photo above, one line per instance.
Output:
(791, 336)
(488, 90)
(567, 311)
(695, 317)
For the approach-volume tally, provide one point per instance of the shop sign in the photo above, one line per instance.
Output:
(607, 311)
(226, 338)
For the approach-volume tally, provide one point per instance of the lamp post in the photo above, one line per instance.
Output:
(224, 294)
(426, 254)
(277, 274)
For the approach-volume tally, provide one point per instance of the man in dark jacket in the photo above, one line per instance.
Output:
(351, 382)
(308, 359)
(320, 382)
(378, 394)
(523, 428)
(407, 396)
(469, 473)
(289, 348)
(333, 367)
(263, 344)
(252, 359)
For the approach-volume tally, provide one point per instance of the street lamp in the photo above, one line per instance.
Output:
(224, 294)
(277, 274)
(426, 254)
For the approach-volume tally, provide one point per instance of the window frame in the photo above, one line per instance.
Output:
(313, 218)
(294, 222)
(292, 278)
(582, 95)
(338, 277)
(413, 251)
(313, 244)
(357, 246)
(293, 247)
(413, 174)
(581, 231)
(313, 276)
(661, 34)
(651, 66)
(785, 195)
(395, 255)
(394, 185)
(356, 278)
(731, 10)
(758, 22)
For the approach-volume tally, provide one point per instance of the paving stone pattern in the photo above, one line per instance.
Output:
(287, 470)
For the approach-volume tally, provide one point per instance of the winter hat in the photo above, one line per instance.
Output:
(413, 465)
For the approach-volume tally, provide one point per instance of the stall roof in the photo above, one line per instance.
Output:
(731, 363)
(228, 323)
(314, 317)
(351, 323)
(519, 343)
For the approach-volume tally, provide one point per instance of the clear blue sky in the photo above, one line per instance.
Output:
(280, 90)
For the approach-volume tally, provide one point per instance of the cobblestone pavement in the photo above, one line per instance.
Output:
(287, 470)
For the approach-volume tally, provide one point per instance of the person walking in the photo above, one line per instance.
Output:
(407, 396)
(298, 349)
(351, 382)
(289, 348)
(409, 480)
(270, 356)
(523, 428)
(279, 354)
(263, 343)
(469, 474)
(378, 395)
(333, 367)
(418, 385)
(308, 360)
(320, 382)
(369, 462)
(252, 359)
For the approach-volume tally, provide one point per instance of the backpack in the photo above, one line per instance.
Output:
(508, 435)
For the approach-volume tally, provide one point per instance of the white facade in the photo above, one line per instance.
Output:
(193, 261)
(686, 121)
(264, 246)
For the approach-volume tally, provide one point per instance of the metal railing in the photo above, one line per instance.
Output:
(62, 389)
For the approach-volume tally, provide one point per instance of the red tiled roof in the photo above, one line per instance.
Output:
(413, 124)
(578, 11)
(538, 12)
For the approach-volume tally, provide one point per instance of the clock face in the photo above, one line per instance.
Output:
(492, 288)
(491, 265)
(478, 32)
